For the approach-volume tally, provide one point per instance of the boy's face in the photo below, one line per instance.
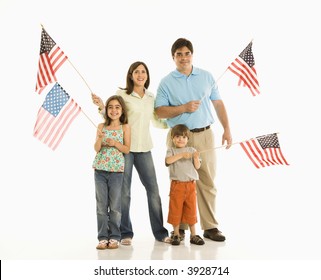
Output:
(180, 141)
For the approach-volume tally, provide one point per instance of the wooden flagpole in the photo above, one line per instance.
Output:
(80, 75)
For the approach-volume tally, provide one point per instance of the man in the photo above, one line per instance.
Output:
(186, 96)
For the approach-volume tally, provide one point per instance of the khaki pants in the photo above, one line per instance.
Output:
(206, 190)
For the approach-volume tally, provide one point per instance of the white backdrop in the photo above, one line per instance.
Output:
(46, 195)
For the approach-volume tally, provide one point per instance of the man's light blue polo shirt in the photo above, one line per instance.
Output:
(177, 89)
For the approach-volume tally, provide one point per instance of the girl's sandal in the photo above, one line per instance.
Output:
(126, 241)
(102, 245)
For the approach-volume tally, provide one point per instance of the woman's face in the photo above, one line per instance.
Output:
(139, 76)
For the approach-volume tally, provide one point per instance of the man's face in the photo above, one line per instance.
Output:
(183, 59)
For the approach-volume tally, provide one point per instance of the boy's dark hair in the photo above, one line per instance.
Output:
(124, 116)
(182, 42)
(180, 130)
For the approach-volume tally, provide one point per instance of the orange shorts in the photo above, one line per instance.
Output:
(182, 203)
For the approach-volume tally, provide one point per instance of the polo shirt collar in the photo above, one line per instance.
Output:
(177, 74)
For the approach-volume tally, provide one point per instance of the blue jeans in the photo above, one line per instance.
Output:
(144, 165)
(108, 187)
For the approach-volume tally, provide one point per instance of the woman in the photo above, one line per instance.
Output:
(140, 107)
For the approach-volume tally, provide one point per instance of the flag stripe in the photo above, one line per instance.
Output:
(42, 121)
(243, 67)
(46, 71)
(279, 157)
(50, 130)
(282, 157)
(264, 153)
(67, 124)
(258, 154)
(57, 58)
(249, 155)
(46, 74)
(265, 156)
(249, 71)
(245, 73)
(55, 116)
(43, 124)
(271, 155)
(55, 128)
(60, 123)
(242, 81)
(50, 60)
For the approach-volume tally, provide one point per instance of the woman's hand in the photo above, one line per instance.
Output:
(97, 101)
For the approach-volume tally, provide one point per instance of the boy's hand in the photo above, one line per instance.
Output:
(196, 155)
(186, 155)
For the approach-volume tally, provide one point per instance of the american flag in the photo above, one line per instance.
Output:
(264, 151)
(55, 116)
(243, 67)
(50, 60)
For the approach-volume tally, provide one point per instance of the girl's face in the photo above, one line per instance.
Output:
(180, 141)
(139, 76)
(114, 110)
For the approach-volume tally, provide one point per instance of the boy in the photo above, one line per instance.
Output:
(183, 163)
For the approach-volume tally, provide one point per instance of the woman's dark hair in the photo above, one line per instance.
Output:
(124, 117)
(182, 42)
(129, 81)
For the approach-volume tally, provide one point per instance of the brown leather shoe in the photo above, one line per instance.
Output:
(214, 234)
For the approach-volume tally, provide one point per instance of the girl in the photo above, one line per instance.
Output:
(112, 141)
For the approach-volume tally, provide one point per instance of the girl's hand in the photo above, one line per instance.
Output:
(100, 134)
(111, 142)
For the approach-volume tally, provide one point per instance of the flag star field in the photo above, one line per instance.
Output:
(269, 141)
(55, 100)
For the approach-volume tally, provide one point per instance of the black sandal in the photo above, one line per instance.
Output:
(197, 240)
(176, 240)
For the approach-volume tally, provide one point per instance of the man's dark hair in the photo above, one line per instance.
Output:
(182, 42)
